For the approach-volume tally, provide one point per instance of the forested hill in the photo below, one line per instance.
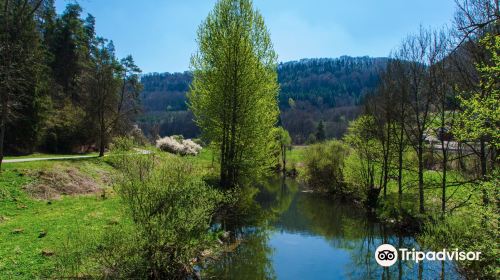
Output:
(328, 89)
(165, 91)
(327, 82)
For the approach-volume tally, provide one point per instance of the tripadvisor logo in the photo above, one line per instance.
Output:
(386, 255)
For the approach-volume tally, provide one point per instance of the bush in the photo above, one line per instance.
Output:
(167, 224)
(122, 144)
(171, 210)
(472, 228)
(199, 142)
(324, 165)
(138, 136)
(179, 146)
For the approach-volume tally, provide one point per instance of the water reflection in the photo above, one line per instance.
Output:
(299, 235)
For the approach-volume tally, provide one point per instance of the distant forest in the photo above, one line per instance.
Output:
(331, 90)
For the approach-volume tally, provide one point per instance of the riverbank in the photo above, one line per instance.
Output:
(56, 216)
(460, 218)
(53, 213)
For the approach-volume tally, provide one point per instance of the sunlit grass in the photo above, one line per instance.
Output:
(60, 219)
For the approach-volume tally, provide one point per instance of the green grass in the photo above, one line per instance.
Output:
(296, 155)
(62, 219)
(207, 164)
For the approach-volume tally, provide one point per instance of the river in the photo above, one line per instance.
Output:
(295, 234)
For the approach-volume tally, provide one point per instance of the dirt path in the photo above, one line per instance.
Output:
(139, 151)
(45, 158)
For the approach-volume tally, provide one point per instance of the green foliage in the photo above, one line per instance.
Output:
(22, 77)
(481, 110)
(474, 228)
(320, 132)
(122, 144)
(65, 127)
(58, 81)
(279, 146)
(328, 89)
(171, 212)
(311, 139)
(234, 97)
(324, 164)
(404, 213)
(361, 136)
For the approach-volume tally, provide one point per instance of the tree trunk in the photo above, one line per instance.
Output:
(2, 137)
(101, 145)
(386, 159)
(400, 166)
(3, 121)
(482, 157)
(102, 136)
(421, 177)
(443, 182)
(283, 152)
(420, 270)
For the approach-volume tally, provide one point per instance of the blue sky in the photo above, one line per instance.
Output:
(160, 34)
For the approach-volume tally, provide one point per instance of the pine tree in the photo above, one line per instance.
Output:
(320, 132)
(19, 69)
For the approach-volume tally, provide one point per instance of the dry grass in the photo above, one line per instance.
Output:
(60, 180)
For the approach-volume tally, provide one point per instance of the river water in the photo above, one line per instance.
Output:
(289, 233)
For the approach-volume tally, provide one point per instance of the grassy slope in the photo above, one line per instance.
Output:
(21, 253)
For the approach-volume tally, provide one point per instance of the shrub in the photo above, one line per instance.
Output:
(475, 229)
(171, 210)
(167, 224)
(324, 165)
(200, 142)
(122, 144)
(138, 136)
(176, 145)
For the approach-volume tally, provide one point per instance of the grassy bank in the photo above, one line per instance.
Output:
(63, 218)
(469, 223)
(33, 228)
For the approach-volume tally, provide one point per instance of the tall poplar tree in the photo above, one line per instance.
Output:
(234, 92)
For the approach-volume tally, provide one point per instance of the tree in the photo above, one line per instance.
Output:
(480, 117)
(420, 53)
(69, 42)
(361, 136)
(234, 91)
(70, 46)
(113, 90)
(320, 132)
(19, 64)
(381, 105)
(131, 87)
(283, 142)
(475, 19)
(389, 111)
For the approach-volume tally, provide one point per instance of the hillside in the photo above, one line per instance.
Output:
(328, 89)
